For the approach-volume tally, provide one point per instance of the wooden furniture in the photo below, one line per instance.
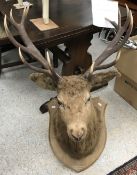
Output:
(132, 4)
(6, 45)
(74, 19)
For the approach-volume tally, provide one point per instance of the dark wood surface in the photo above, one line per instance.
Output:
(132, 4)
(74, 18)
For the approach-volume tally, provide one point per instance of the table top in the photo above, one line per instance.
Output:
(131, 3)
(72, 17)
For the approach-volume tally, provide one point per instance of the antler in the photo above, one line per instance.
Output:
(120, 39)
(30, 47)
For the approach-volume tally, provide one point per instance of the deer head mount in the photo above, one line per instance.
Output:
(77, 126)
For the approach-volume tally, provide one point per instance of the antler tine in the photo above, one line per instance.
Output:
(49, 62)
(51, 66)
(119, 19)
(92, 68)
(127, 32)
(112, 47)
(119, 45)
(13, 40)
(12, 19)
(30, 65)
(117, 26)
(105, 66)
(25, 13)
(30, 47)
(35, 54)
(123, 31)
(9, 34)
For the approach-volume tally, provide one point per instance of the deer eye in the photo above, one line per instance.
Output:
(88, 99)
(61, 105)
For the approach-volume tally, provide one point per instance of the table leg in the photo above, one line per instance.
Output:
(80, 59)
(0, 61)
(134, 31)
(55, 61)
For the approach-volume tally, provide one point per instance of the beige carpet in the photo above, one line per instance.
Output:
(24, 144)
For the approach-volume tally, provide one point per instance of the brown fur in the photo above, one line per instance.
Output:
(77, 149)
(97, 80)
(68, 85)
(76, 112)
(71, 92)
(43, 81)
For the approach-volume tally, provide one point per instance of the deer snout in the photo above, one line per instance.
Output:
(77, 132)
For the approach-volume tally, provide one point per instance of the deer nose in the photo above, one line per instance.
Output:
(77, 136)
(77, 132)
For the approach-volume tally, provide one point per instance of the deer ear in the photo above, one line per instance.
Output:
(43, 81)
(101, 79)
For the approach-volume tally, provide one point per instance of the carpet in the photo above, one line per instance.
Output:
(128, 168)
(24, 143)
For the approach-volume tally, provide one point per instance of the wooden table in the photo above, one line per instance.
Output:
(132, 4)
(74, 19)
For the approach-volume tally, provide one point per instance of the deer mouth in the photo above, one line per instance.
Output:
(77, 138)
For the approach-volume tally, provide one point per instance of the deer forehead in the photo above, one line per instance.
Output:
(72, 98)
(73, 87)
(73, 83)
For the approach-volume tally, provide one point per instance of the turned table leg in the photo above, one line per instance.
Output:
(80, 59)
(0, 60)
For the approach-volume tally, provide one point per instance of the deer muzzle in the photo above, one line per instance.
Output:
(77, 131)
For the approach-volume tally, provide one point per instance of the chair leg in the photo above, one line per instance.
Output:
(55, 60)
(0, 60)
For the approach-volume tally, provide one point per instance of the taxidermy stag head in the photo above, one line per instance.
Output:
(76, 125)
